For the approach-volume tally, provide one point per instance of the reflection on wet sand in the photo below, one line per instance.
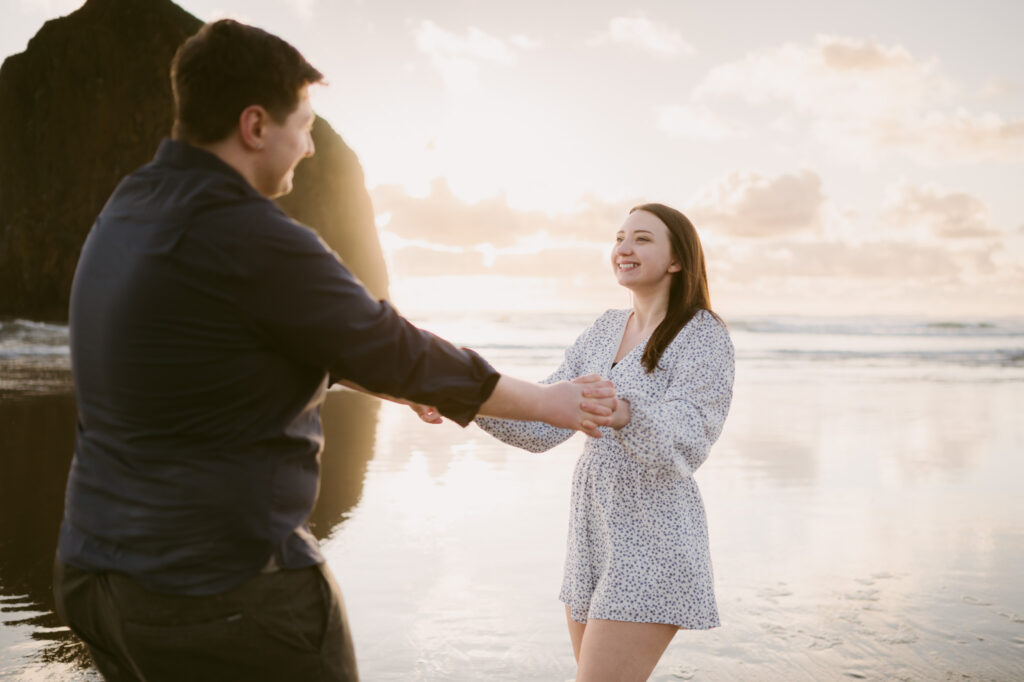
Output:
(36, 447)
(37, 437)
(350, 429)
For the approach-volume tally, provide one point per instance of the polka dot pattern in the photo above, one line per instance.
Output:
(637, 546)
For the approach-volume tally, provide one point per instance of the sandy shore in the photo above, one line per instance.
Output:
(865, 520)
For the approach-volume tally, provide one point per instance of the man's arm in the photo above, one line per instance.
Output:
(583, 405)
(578, 406)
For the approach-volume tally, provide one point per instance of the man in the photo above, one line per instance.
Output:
(204, 326)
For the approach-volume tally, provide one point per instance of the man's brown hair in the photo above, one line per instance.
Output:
(226, 67)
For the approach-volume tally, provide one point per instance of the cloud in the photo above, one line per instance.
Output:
(751, 205)
(858, 55)
(939, 135)
(793, 264)
(458, 57)
(642, 33)
(862, 98)
(995, 87)
(695, 123)
(830, 76)
(555, 262)
(947, 215)
(442, 218)
(892, 260)
(441, 235)
(524, 42)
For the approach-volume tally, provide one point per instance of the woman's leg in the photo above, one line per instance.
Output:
(575, 634)
(617, 651)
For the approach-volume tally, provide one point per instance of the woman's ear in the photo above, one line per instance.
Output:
(674, 267)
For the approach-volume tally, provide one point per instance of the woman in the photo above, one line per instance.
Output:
(637, 565)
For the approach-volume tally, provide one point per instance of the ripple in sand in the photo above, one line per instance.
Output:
(1012, 617)
(862, 595)
(822, 642)
(772, 593)
(903, 635)
(976, 602)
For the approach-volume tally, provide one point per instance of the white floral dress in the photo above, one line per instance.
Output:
(638, 544)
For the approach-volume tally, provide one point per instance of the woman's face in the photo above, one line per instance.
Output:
(642, 257)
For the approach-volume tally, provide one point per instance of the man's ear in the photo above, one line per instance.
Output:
(252, 124)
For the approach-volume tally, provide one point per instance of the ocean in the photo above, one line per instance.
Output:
(863, 507)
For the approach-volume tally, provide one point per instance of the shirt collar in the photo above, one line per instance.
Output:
(178, 153)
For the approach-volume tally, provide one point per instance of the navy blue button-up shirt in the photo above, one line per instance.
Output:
(204, 325)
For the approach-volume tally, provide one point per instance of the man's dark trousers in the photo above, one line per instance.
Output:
(279, 626)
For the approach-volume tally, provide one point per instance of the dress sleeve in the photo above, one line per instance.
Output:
(679, 427)
(538, 436)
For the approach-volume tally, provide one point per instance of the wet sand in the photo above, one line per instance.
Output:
(865, 523)
(862, 527)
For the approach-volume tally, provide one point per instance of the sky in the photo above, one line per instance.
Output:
(836, 158)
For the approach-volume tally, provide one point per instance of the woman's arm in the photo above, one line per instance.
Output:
(536, 436)
(679, 427)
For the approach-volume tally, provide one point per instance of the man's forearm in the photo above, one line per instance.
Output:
(516, 399)
(578, 406)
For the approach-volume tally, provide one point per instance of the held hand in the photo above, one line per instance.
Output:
(428, 414)
(583, 405)
(621, 415)
(602, 401)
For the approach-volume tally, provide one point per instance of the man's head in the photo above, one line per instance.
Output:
(243, 93)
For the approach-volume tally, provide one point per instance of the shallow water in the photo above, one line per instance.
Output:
(854, 535)
(862, 502)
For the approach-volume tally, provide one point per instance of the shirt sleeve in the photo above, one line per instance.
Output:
(305, 303)
(538, 436)
(679, 427)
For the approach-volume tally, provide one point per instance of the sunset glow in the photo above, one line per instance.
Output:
(834, 158)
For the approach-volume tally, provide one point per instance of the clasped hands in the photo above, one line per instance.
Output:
(584, 404)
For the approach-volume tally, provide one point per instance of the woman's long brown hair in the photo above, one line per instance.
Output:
(688, 293)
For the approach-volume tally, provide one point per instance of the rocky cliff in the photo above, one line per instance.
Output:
(87, 102)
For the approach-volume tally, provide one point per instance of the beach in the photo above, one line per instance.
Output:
(863, 509)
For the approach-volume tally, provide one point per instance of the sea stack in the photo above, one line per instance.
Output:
(87, 102)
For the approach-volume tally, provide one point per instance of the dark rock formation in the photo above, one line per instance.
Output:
(330, 195)
(87, 102)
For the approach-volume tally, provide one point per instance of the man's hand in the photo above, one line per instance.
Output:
(427, 413)
(596, 387)
(584, 404)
